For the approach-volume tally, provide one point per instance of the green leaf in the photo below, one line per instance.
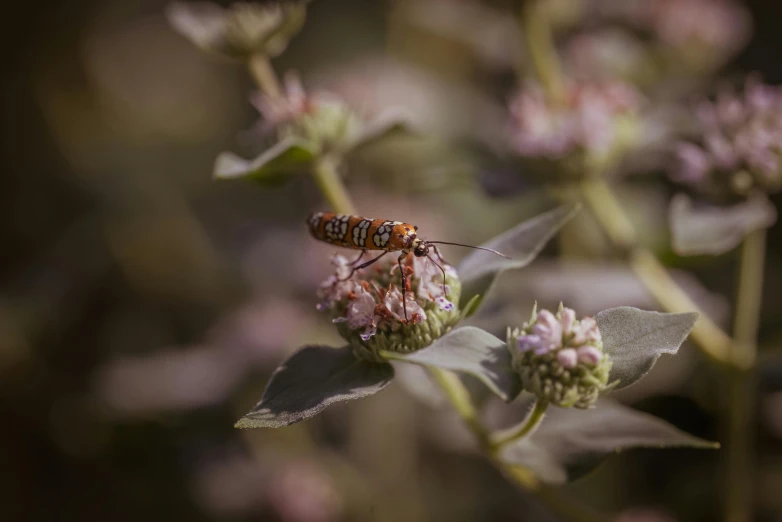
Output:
(698, 228)
(635, 339)
(273, 166)
(479, 270)
(388, 125)
(474, 352)
(572, 442)
(311, 379)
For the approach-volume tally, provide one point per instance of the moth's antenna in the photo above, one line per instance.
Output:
(470, 246)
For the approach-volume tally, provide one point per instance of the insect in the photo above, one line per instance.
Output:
(359, 233)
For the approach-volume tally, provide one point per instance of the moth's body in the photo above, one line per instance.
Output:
(361, 233)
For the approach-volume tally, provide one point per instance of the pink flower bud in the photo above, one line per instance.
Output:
(567, 319)
(568, 358)
(528, 342)
(589, 355)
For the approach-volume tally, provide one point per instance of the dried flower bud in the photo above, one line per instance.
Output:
(240, 31)
(560, 359)
(738, 150)
(592, 124)
(369, 310)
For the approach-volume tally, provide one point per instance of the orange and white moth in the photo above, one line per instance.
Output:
(365, 234)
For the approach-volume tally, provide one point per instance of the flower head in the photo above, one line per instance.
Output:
(240, 31)
(737, 150)
(321, 120)
(560, 359)
(719, 27)
(373, 312)
(592, 123)
(699, 34)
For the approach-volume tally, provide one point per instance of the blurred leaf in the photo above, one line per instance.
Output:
(241, 30)
(572, 442)
(635, 339)
(471, 351)
(479, 270)
(273, 166)
(203, 23)
(698, 228)
(387, 126)
(417, 381)
(311, 379)
(488, 36)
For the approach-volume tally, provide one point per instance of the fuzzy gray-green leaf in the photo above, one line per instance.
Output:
(471, 351)
(635, 339)
(386, 126)
(273, 166)
(479, 270)
(698, 228)
(312, 379)
(572, 442)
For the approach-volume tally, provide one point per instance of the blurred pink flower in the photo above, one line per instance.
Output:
(230, 486)
(199, 376)
(293, 490)
(278, 110)
(586, 121)
(303, 492)
(738, 148)
(722, 25)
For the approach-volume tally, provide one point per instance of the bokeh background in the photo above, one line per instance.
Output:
(143, 306)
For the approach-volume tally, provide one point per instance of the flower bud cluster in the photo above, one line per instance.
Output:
(369, 310)
(593, 122)
(560, 359)
(321, 120)
(738, 150)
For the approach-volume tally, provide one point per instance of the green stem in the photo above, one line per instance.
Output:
(459, 397)
(750, 293)
(740, 395)
(524, 429)
(540, 48)
(325, 168)
(330, 184)
(261, 69)
(457, 394)
(709, 337)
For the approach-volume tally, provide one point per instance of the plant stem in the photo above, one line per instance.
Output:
(460, 399)
(567, 508)
(740, 397)
(711, 339)
(540, 48)
(334, 191)
(749, 296)
(330, 184)
(524, 429)
(261, 69)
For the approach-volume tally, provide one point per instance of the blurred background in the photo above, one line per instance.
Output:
(143, 306)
